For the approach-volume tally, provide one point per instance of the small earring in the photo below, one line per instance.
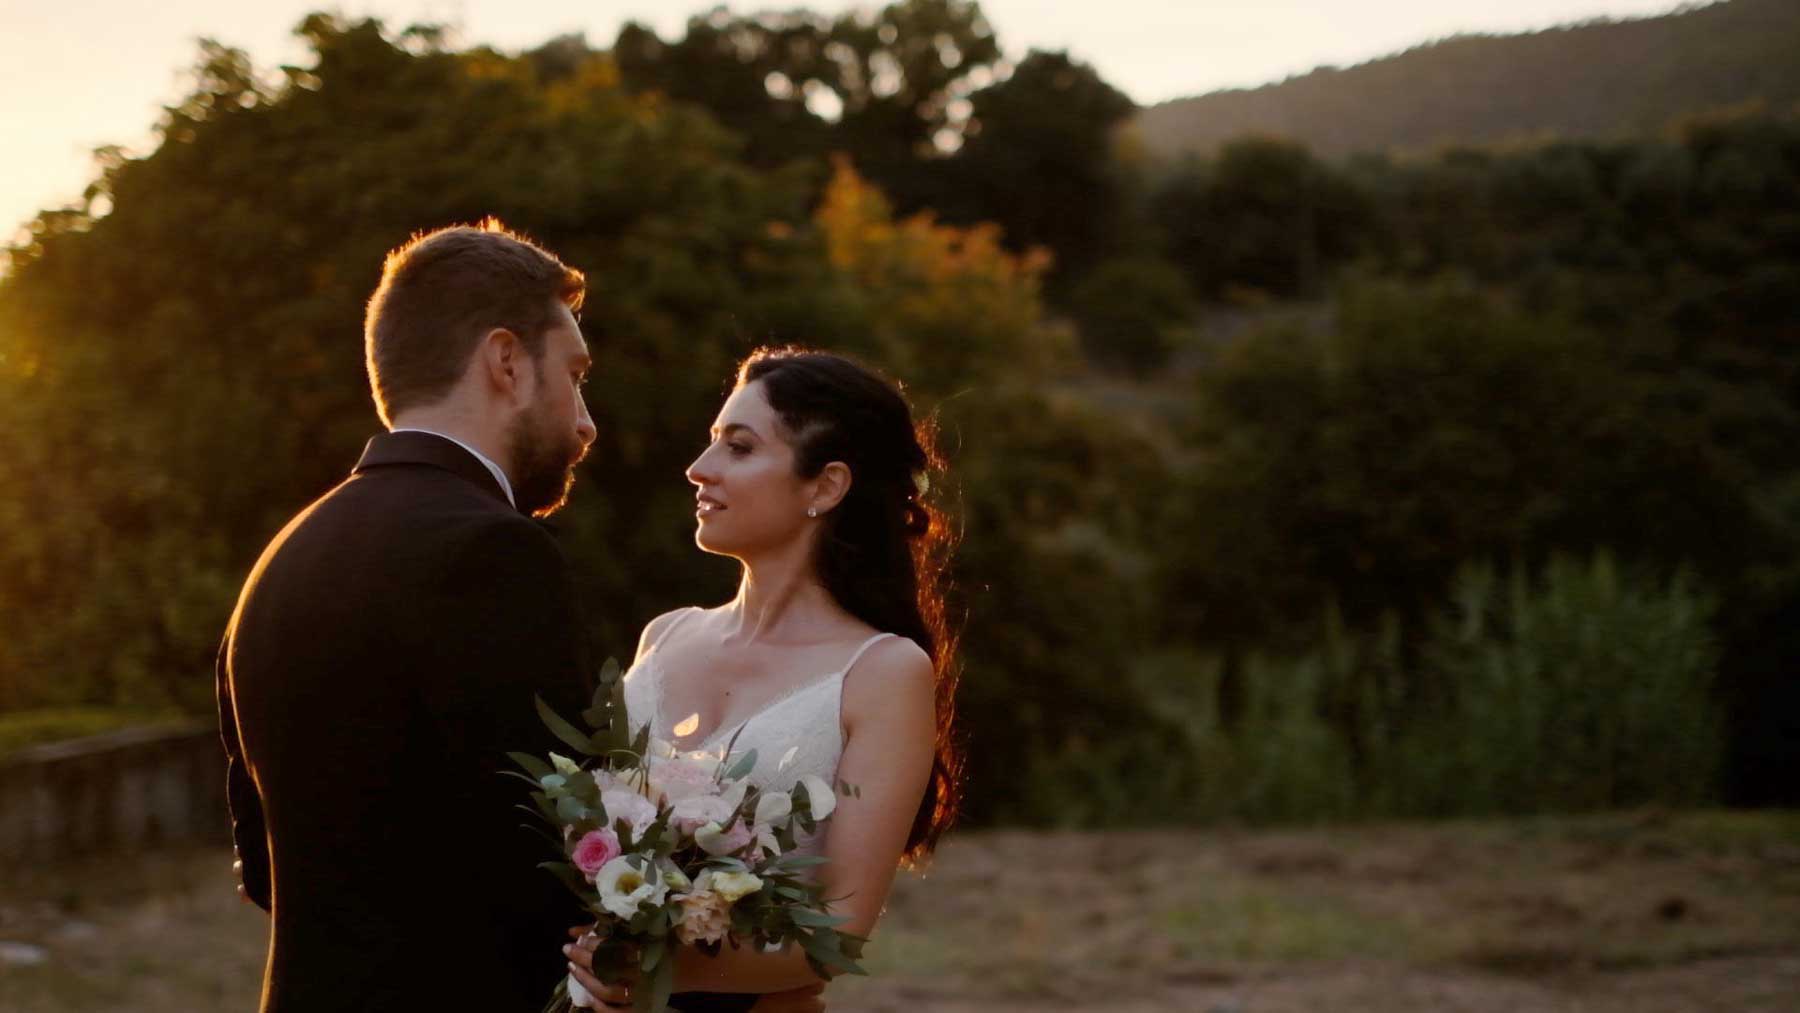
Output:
(812, 511)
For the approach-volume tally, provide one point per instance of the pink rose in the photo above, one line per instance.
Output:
(595, 849)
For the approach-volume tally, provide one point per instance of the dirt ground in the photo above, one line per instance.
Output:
(1640, 912)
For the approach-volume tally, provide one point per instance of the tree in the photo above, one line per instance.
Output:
(180, 375)
(1039, 161)
(1129, 312)
(1265, 216)
(752, 74)
(948, 308)
(1363, 461)
(889, 88)
(189, 368)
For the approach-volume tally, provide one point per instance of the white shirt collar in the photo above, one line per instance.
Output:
(499, 476)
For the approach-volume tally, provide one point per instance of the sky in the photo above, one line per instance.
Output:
(78, 74)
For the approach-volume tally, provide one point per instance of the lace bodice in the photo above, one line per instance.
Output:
(798, 733)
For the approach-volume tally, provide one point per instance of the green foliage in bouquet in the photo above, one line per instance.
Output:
(667, 849)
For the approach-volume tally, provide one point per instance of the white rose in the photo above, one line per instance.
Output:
(773, 807)
(629, 806)
(819, 794)
(733, 885)
(700, 809)
(681, 777)
(624, 779)
(624, 888)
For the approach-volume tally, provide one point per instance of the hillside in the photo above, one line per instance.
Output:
(1592, 79)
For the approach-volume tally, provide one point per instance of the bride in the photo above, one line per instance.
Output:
(833, 659)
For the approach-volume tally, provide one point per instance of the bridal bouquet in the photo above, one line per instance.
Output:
(665, 847)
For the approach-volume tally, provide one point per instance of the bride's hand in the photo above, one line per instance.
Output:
(808, 999)
(607, 996)
(800, 1000)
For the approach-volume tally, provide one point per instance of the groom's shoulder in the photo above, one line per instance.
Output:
(503, 549)
(429, 516)
(502, 539)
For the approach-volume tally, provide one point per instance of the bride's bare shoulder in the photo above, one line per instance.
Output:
(894, 673)
(655, 629)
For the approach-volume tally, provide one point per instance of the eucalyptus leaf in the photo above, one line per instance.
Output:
(662, 983)
(640, 743)
(545, 807)
(827, 954)
(569, 809)
(564, 730)
(852, 945)
(742, 767)
(816, 919)
(532, 765)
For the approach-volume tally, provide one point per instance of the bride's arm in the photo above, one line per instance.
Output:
(890, 736)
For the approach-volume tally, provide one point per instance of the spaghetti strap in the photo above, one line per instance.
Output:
(871, 642)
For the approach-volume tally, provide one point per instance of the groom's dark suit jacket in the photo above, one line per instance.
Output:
(381, 661)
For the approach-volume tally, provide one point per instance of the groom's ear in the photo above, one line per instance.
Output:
(502, 359)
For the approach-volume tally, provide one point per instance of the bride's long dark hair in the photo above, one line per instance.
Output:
(884, 549)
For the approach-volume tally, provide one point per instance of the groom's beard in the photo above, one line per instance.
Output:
(545, 460)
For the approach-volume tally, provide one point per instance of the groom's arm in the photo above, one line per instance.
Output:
(249, 841)
(510, 630)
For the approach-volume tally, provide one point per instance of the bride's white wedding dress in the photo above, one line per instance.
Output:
(798, 733)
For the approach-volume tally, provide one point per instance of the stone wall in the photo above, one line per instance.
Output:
(118, 792)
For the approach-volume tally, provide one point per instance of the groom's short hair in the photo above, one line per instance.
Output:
(441, 291)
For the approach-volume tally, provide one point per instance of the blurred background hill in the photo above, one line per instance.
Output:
(1301, 477)
(1599, 79)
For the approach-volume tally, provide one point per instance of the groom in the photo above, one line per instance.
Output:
(385, 649)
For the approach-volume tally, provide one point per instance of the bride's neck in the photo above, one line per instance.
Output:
(774, 595)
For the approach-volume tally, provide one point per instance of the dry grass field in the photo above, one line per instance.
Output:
(1626, 913)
